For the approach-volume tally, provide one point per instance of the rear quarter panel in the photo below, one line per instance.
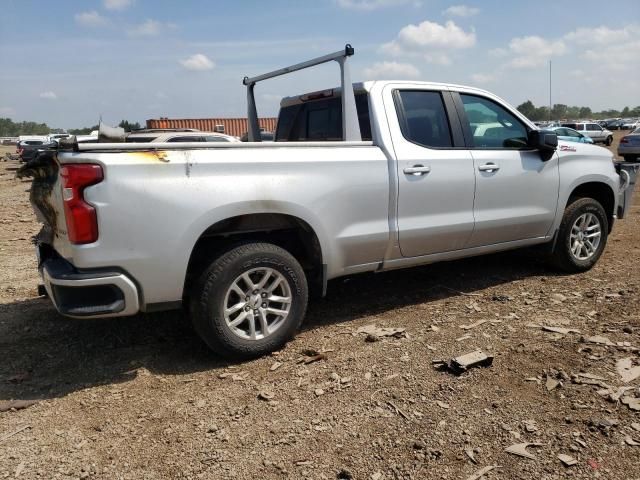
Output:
(152, 207)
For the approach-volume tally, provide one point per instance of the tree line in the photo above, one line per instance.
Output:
(9, 128)
(560, 111)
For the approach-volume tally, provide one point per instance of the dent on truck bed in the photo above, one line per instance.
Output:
(43, 169)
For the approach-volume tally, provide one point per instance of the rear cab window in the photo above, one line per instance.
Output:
(320, 120)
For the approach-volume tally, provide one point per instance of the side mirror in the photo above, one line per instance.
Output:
(543, 140)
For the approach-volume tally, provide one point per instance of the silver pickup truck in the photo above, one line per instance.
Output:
(381, 176)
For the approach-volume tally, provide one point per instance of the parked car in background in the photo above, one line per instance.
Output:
(629, 147)
(264, 135)
(614, 124)
(630, 124)
(593, 130)
(571, 135)
(179, 136)
(54, 137)
(27, 149)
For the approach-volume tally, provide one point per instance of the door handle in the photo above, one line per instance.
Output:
(417, 170)
(489, 167)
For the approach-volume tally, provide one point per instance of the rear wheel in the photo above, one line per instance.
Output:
(250, 301)
(582, 236)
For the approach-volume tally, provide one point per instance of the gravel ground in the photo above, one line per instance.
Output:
(142, 398)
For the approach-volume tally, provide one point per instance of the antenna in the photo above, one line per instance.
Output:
(549, 90)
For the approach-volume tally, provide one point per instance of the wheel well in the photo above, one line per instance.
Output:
(289, 232)
(600, 192)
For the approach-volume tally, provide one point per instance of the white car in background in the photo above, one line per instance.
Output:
(184, 137)
(593, 130)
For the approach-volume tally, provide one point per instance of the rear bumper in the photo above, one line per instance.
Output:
(629, 150)
(82, 294)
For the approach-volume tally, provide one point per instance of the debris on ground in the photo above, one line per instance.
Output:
(374, 333)
(567, 460)
(461, 364)
(630, 441)
(398, 410)
(313, 358)
(481, 473)
(473, 325)
(16, 404)
(562, 330)
(22, 428)
(266, 395)
(626, 370)
(599, 340)
(275, 366)
(520, 449)
(471, 454)
(551, 383)
(530, 426)
(631, 402)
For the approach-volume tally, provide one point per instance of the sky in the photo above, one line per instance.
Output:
(70, 62)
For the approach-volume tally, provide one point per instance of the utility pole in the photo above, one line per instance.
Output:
(549, 90)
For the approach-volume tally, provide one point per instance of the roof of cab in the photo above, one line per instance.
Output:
(362, 87)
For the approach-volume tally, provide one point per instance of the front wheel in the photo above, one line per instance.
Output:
(582, 236)
(608, 141)
(250, 301)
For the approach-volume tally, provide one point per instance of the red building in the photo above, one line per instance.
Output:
(229, 126)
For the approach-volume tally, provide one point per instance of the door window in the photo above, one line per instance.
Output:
(572, 133)
(492, 126)
(423, 119)
(595, 126)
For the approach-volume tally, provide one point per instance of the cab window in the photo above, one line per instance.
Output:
(423, 118)
(491, 125)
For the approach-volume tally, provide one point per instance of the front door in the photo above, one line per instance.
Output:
(516, 191)
(595, 131)
(436, 178)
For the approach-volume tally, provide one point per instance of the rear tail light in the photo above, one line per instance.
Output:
(81, 218)
(624, 140)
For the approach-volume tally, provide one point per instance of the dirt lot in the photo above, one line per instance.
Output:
(142, 398)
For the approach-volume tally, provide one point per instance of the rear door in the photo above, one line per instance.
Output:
(435, 172)
(516, 191)
(595, 131)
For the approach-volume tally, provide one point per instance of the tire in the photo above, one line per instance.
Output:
(608, 141)
(562, 256)
(214, 292)
(630, 158)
